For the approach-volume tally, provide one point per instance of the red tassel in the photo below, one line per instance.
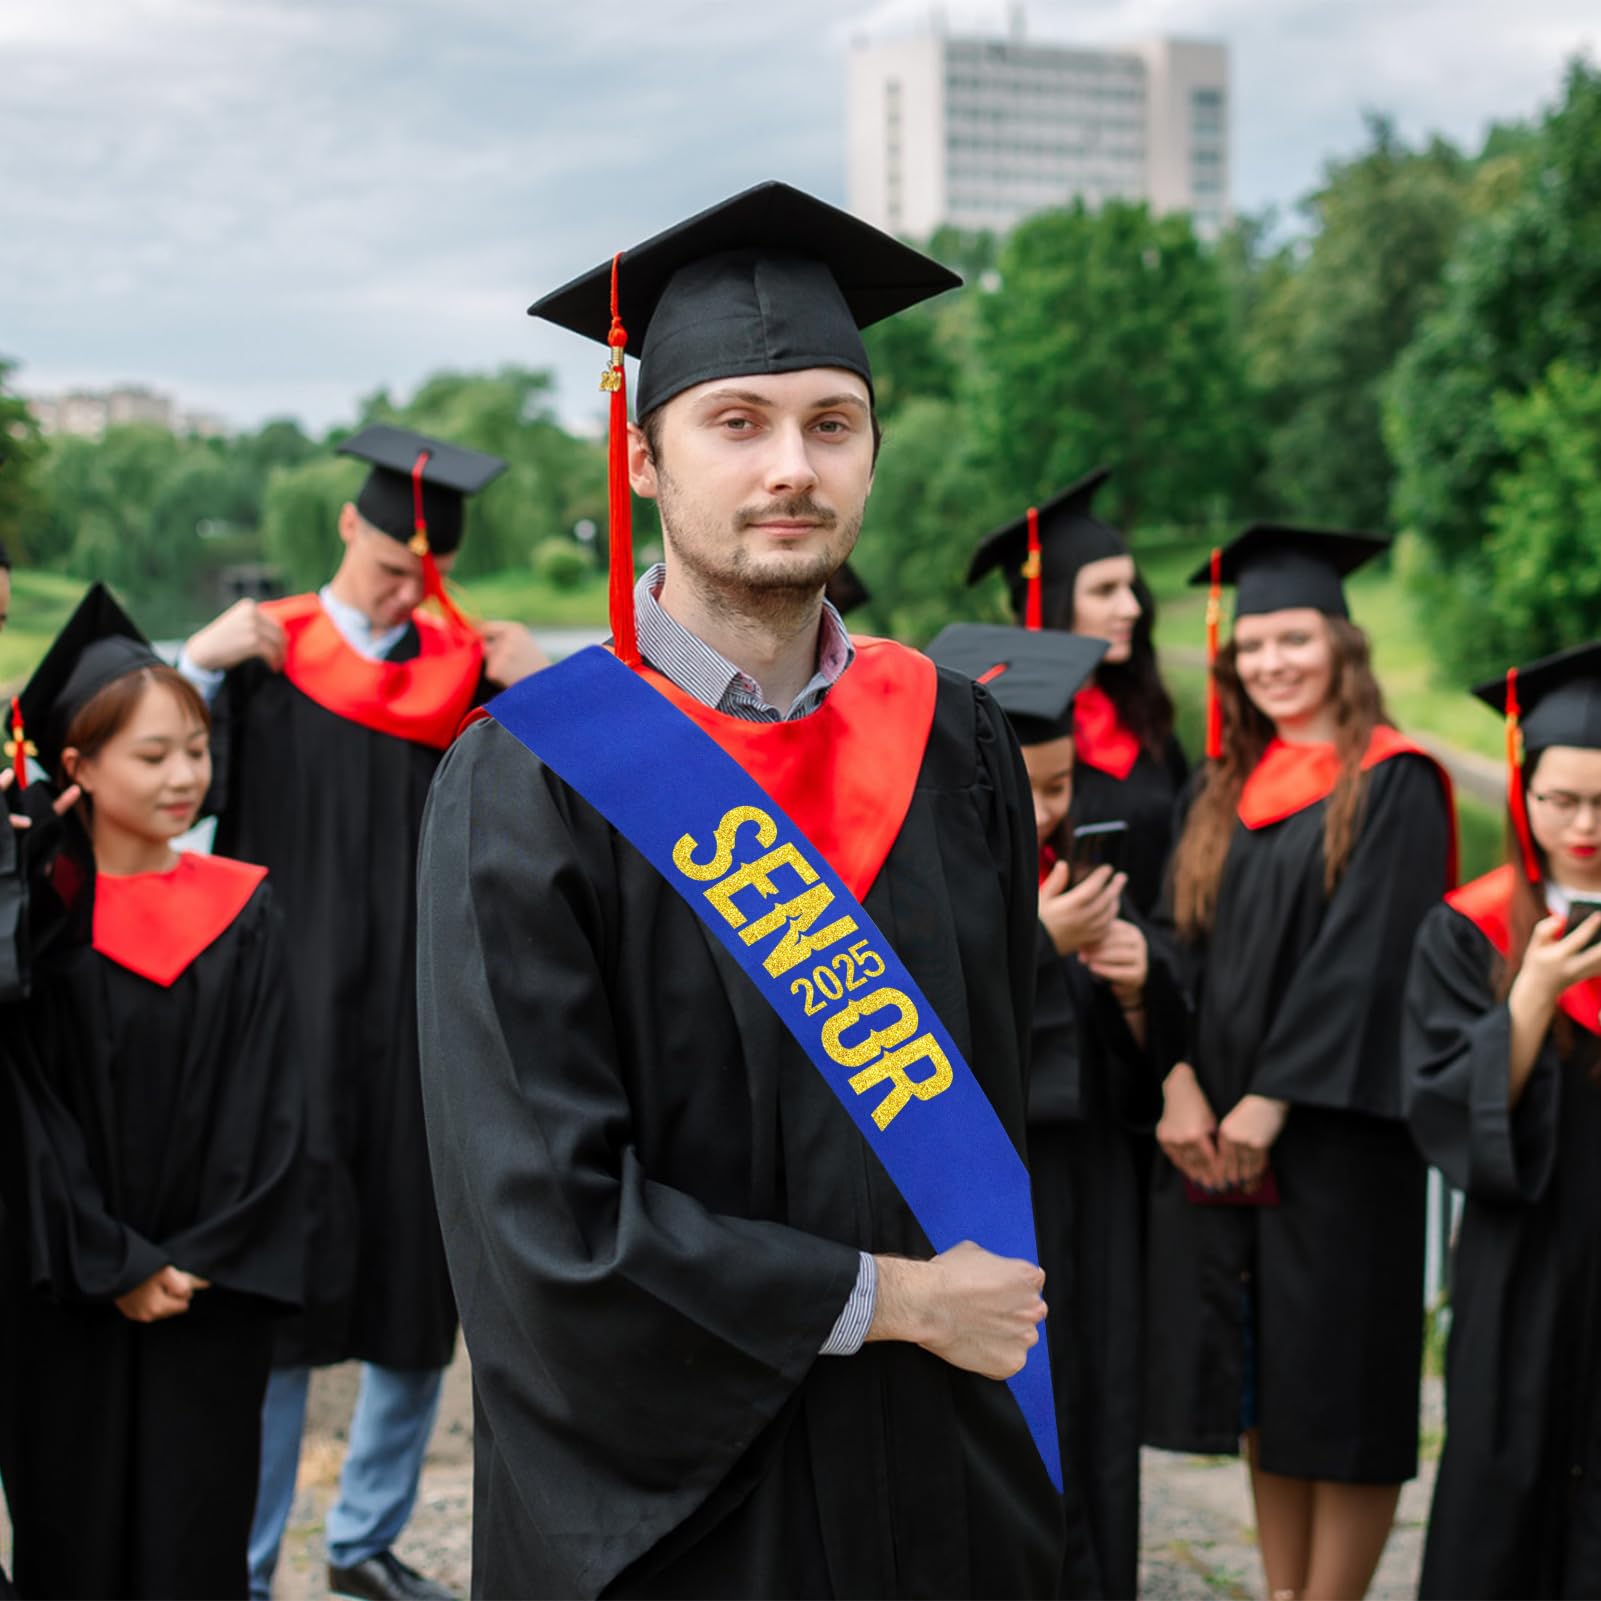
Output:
(619, 501)
(1033, 607)
(1214, 619)
(1515, 801)
(17, 745)
(433, 581)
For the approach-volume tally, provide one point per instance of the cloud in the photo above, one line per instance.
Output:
(266, 205)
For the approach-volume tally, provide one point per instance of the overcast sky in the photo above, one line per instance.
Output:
(271, 207)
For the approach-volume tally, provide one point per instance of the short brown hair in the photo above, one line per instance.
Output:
(107, 712)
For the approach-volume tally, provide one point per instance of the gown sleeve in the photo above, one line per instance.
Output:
(1456, 1046)
(1333, 1039)
(249, 1233)
(74, 1248)
(612, 1319)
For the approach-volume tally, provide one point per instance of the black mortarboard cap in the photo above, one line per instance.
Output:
(769, 281)
(1071, 536)
(1274, 567)
(845, 590)
(98, 644)
(1559, 698)
(449, 475)
(1033, 674)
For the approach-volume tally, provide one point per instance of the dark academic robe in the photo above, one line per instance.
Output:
(1299, 997)
(654, 1205)
(146, 1122)
(1116, 779)
(1517, 1505)
(1094, 1097)
(318, 781)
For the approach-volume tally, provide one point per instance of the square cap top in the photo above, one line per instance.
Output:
(98, 644)
(770, 280)
(1032, 673)
(449, 475)
(1276, 567)
(1559, 698)
(1071, 536)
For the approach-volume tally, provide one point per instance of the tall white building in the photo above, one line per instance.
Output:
(979, 133)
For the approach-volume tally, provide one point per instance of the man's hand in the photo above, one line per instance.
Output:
(164, 1294)
(1082, 916)
(510, 653)
(241, 632)
(971, 1308)
(1187, 1132)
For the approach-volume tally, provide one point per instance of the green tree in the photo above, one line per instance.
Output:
(1327, 328)
(1545, 513)
(300, 518)
(1108, 339)
(1522, 292)
(21, 506)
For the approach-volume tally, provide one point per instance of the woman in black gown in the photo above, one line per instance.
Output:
(1503, 1085)
(1291, 1315)
(1131, 768)
(151, 1165)
(1108, 1008)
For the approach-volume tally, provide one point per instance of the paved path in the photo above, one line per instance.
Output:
(1199, 1540)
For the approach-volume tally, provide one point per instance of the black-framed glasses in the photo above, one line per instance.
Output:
(1564, 805)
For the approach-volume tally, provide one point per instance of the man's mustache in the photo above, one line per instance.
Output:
(797, 508)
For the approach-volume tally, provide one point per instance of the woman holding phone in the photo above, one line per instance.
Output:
(1502, 1057)
(1287, 1225)
(151, 1134)
(1067, 569)
(1108, 1009)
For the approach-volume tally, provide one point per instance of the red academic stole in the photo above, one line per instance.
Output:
(846, 773)
(1289, 778)
(1099, 736)
(156, 924)
(422, 700)
(1487, 904)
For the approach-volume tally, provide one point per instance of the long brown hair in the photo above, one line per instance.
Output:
(1203, 847)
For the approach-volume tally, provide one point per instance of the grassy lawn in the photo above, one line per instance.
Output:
(518, 594)
(40, 604)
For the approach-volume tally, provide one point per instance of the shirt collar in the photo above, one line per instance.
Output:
(709, 676)
(356, 627)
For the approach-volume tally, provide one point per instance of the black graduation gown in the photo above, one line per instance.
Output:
(1517, 1505)
(145, 1125)
(1094, 1097)
(1146, 801)
(334, 810)
(654, 1207)
(1299, 997)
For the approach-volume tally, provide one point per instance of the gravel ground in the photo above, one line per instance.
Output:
(1199, 1541)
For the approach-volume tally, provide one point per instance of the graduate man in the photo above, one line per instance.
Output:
(726, 947)
(331, 711)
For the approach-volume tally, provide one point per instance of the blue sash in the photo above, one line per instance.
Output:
(778, 908)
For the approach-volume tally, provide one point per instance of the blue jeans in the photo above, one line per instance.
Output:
(378, 1488)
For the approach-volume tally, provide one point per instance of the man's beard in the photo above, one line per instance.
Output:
(771, 590)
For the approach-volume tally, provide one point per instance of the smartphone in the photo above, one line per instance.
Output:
(1578, 911)
(1096, 845)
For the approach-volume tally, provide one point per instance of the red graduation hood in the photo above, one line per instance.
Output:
(846, 774)
(1099, 735)
(1487, 904)
(422, 700)
(156, 924)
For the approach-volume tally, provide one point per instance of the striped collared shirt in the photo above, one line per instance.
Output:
(715, 681)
